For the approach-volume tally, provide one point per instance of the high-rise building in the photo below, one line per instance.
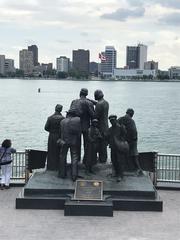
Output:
(136, 56)
(109, 61)
(2, 64)
(81, 60)
(142, 55)
(131, 57)
(62, 64)
(9, 66)
(34, 50)
(26, 61)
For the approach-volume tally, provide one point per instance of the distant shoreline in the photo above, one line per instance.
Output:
(96, 80)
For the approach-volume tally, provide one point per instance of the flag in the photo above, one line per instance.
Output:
(102, 57)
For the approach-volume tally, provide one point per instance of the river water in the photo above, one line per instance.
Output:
(23, 111)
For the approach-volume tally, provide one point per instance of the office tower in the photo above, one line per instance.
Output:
(34, 50)
(62, 64)
(142, 55)
(9, 66)
(2, 64)
(26, 61)
(136, 56)
(131, 57)
(93, 67)
(81, 61)
(108, 61)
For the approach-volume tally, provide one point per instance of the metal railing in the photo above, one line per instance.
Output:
(19, 170)
(167, 168)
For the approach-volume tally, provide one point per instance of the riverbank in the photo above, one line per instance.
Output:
(96, 80)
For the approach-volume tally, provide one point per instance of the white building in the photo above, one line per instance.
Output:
(2, 64)
(133, 73)
(62, 64)
(142, 55)
(109, 62)
(174, 72)
(26, 61)
(9, 66)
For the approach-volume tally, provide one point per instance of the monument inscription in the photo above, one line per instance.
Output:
(89, 190)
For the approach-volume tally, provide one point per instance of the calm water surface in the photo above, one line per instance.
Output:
(23, 111)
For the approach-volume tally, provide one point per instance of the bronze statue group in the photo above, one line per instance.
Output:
(89, 118)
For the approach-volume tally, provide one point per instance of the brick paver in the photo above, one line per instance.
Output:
(51, 224)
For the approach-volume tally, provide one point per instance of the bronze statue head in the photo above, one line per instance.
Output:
(98, 94)
(58, 108)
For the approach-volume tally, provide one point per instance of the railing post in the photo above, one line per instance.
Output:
(26, 165)
(155, 168)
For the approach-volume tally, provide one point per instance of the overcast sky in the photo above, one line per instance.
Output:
(59, 26)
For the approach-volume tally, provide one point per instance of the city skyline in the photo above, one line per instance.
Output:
(58, 27)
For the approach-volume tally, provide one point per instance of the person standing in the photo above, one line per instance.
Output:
(53, 127)
(85, 110)
(101, 113)
(70, 133)
(5, 162)
(132, 138)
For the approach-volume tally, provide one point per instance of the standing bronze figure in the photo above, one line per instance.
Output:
(70, 133)
(119, 147)
(53, 127)
(132, 138)
(101, 113)
(94, 137)
(85, 110)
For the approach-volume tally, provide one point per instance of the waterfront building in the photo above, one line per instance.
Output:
(136, 56)
(34, 50)
(81, 61)
(134, 73)
(108, 62)
(47, 66)
(9, 66)
(93, 68)
(2, 64)
(62, 64)
(26, 61)
(174, 72)
(150, 65)
(142, 55)
(131, 57)
(45, 69)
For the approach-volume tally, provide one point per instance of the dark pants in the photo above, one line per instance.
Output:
(85, 139)
(74, 161)
(117, 160)
(102, 150)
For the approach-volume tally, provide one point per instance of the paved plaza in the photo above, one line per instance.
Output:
(51, 224)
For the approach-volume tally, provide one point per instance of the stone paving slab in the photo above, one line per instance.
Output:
(51, 224)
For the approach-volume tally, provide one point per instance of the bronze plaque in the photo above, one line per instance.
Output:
(89, 190)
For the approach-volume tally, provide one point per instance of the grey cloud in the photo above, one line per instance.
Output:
(123, 14)
(63, 41)
(165, 3)
(84, 34)
(136, 3)
(170, 3)
(170, 19)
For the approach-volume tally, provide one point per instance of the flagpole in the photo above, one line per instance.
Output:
(99, 58)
